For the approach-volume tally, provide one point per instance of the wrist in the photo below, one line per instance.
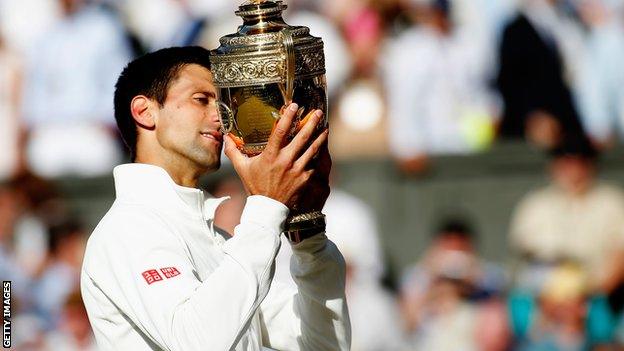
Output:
(302, 226)
(265, 211)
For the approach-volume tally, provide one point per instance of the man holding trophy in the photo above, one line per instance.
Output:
(157, 273)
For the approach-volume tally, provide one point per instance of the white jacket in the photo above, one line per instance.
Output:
(157, 275)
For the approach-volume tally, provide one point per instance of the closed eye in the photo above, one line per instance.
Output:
(205, 98)
(202, 100)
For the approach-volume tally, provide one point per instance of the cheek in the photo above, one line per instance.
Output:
(164, 131)
(173, 130)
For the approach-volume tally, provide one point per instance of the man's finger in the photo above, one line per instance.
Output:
(312, 150)
(276, 140)
(301, 139)
(232, 152)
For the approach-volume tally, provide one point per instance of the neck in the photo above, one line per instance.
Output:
(183, 170)
(184, 173)
(577, 190)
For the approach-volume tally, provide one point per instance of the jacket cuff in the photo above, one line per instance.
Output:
(265, 211)
(311, 245)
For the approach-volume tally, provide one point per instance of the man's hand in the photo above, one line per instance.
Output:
(316, 191)
(280, 171)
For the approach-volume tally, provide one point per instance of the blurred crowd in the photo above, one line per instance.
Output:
(414, 78)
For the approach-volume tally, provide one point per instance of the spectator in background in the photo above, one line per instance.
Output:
(10, 88)
(600, 87)
(558, 319)
(351, 215)
(338, 63)
(494, 15)
(227, 215)
(353, 37)
(69, 85)
(436, 84)
(9, 266)
(484, 21)
(23, 22)
(154, 22)
(339, 11)
(39, 207)
(449, 297)
(28, 332)
(562, 313)
(537, 67)
(363, 28)
(62, 275)
(74, 332)
(27, 207)
(23, 237)
(575, 217)
(374, 312)
(164, 23)
(347, 215)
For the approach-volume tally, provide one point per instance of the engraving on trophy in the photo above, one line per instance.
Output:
(312, 90)
(310, 61)
(252, 71)
(256, 106)
(261, 38)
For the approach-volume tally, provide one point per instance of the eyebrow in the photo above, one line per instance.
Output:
(211, 94)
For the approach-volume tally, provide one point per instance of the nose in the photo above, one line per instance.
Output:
(213, 112)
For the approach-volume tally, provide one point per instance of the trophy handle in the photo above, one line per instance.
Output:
(226, 117)
(289, 46)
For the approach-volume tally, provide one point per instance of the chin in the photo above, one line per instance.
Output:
(208, 160)
(215, 166)
(210, 165)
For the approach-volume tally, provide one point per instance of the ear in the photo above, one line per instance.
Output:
(142, 109)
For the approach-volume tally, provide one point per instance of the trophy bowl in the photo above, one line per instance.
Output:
(261, 69)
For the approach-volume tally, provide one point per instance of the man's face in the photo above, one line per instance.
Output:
(187, 125)
(573, 174)
(70, 6)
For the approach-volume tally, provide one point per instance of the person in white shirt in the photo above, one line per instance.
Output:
(157, 273)
(438, 99)
(576, 218)
(599, 91)
(68, 90)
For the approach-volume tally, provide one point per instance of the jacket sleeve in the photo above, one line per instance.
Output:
(183, 312)
(314, 316)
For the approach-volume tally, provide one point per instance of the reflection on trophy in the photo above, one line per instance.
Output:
(261, 69)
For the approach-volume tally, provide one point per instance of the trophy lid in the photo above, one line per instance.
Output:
(258, 51)
(255, 8)
(262, 24)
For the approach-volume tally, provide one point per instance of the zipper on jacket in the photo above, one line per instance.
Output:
(209, 228)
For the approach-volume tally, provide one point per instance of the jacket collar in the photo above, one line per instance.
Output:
(152, 186)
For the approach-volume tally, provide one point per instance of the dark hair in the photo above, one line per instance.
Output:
(575, 146)
(151, 75)
(455, 226)
(443, 6)
(62, 232)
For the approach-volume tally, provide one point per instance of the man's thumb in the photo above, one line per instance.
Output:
(231, 151)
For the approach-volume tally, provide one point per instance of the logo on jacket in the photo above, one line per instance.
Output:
(153, 276)
(169, 272)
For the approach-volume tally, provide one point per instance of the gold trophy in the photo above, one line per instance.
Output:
(263, 67)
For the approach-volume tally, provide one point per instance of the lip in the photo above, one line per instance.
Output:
(217, 136)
